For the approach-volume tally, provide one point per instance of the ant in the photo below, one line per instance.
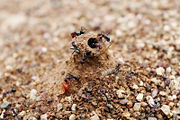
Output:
(75, 48)
(130, 75)
(70, 77)
(74, 34)
(67, 81)
(104, 36)
(85, 56)
(117, 68)
(103, 92)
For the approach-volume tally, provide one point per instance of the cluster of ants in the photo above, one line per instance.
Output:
(92, 43)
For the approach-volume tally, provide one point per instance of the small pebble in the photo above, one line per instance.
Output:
(110, 106)
(137, 106)
(150, 101)
(139, 97)
(4, 105)
(154, 93)
(33, 94)
(152, 118)
(73, 108)
(95, 117)
(168, 70)
(22, 114)
(165, 109)
(120, 93)
(123, 101)
(72, 117)
(44, 117)
(160, 71)
(68, 99)
(135, 86)
(162, 93)
(59, 107)
(141, 83)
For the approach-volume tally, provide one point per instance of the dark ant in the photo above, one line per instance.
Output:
(107, 99)
(74, 34)
(16, 114)
(117, 68)
(88, 94)
(104, 36)
(70, 77)
(75, 48)
(130, 75)
(85, 56)
(13, 90)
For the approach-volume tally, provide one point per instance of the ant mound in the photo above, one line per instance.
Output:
(89, 61)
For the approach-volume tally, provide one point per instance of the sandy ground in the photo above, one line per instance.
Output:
(35, 41)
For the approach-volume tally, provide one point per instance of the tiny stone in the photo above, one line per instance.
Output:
(44, 117)
(59, 107)
(165, 109)
(141, 83)
(95, 117)
(139, 97)
(137, 106)
(22, 114)
(162, 93)
(155, 80)
(110, 106)
(152, 118)
(135, 86)
(120, 93)
(144, 104)
(168, 70)
(150, 101)
(154, 93)
(68, 99)
(123, 101)
(4, 105)
(72, 117)
(73, 108)
(160, 71)
(33, 94)
(44, 49)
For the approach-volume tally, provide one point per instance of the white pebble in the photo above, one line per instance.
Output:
(95, 117)
(160, 71)
(154, 93)
(152, 118)
(73, 108)
(59, 107)
(141, 83)
(120, 93)
(155, 80)
(137, 106)
(135, 86)
(166, 28)
(168, 70)
(22, 114)
(165, 109)
(33, 94)
(162, 93)
(139, 97)
(44, 117)
(44, 49)
(150, 101)
(68, 99)
(72, 117)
